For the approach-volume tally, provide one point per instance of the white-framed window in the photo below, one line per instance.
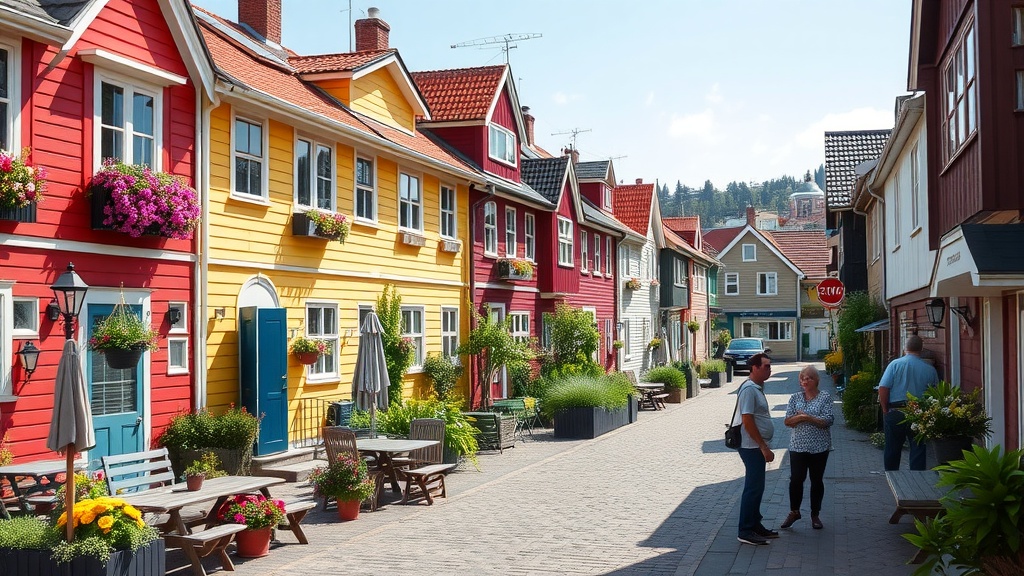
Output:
(916, 201)
(7, 350)
(363, 310)
(249, 158)
(584, 241)
(1018, 25)
(606, 197)
(490, 229)
(750, 252)
(177, 355)
(511, 233)
(609, 335)
(732, 283)
(448, 212)
(679, 276)
(25, 318)
(769, 330)
(627, 344)
(9, 96)
(366, 190)
(960, 116)
(129, 121)
(314, 175)
(767, 283)
(501, 144)
(700, 279)
(412, 328)
(545, 330)
(530, 236)
(564, 241)
(519, 326)
(322, 323)
(450, 332)
(177, 311)
(597, 253)
(410, 202)
(608, 255)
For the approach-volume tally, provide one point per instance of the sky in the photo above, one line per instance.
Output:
(680, 90)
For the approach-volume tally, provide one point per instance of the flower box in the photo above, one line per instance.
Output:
(21, 187)
(633, 284)
(147, 560)
(304, 224)
(589, 422)
(26, 214)
(515, 269)
(137, 201)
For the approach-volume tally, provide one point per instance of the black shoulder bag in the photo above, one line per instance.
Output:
(732, 433)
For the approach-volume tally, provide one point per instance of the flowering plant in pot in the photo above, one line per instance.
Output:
(633, 284)
(122, 337)
(330, 224)
(103, 524)
(208, 466)
(654, 344)
(347, 481)
(21, 184)
(137, 200)
(308, 350)
(259, 514)
(947, 419)
(655, 282)
(618, 344)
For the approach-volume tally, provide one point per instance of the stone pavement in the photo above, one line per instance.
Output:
(656, 497)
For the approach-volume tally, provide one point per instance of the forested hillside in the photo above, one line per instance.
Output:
(715, 206)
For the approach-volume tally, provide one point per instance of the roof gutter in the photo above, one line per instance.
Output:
(35, 28)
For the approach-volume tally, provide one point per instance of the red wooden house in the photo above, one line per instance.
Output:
(83, 82)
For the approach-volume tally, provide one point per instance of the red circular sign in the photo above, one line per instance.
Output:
(831, 292)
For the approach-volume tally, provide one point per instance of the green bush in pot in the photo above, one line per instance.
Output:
(669, 376)
(229, 435)
(610, 392)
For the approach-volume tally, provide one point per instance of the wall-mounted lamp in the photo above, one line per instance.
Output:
(936, 310)
(620, 325)
(173, 315)
(53, 310)
(219, 313)
(29, 358)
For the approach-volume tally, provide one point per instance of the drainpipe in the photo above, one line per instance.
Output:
(201, 309)
(489, 188)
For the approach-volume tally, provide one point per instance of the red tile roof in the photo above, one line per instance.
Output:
(685, 226)
(719, 238)
(336, 62)
(460, 94)
(632, 206)
(806, 249)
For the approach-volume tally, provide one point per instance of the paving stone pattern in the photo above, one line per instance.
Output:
(656, 497)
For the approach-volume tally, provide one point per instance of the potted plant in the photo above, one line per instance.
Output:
(947, 420)
(460, 439)
(21, 184)
(618, 344)
(229, 435)
(309, 350)
(715, 369)
(136, 200)
(329, 225)
(260, 516)
(207, 466)
(633, 283)
(122, 337)
(673, 380)
(655, 282)
(347, 481)
(515, 269)
(693, 326)
(654, 344)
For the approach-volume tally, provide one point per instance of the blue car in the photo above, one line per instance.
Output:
(740, 350)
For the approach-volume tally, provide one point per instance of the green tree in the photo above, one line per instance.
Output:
(491, 342)
(858, 309)
(574, 340)
(397, 353)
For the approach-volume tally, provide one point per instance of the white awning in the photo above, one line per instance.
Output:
(876, 326)
(979, 260)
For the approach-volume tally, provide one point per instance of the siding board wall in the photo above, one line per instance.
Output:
(377, 95)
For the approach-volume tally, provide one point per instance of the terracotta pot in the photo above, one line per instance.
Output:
(348, 510)
(253, 543)
(194, 483)
(307, 358)
(121, 359)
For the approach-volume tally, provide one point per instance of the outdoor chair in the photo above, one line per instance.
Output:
(424, 429)
(425, 475)
(340, 440)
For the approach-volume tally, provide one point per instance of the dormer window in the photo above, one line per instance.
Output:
(606, 197)
(502, 145)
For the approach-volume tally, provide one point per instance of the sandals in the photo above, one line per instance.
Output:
(816, 523)
(793, 517)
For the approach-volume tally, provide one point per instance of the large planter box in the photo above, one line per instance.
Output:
(145, 561)
(589, 422)
(507, 272)
(26, 214)
(234, 462)
(675, 395)
(717, 379)
(497, 431)
(633, 408)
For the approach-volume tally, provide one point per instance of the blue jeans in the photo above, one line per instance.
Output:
(753, 490)
(896, 433)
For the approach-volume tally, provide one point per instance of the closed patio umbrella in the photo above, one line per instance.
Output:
(370, 382)
(71, 425)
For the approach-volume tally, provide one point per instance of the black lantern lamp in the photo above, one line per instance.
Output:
(69, 290)
(935, 309)
(173, 315)
(29, 358)
(52, 310)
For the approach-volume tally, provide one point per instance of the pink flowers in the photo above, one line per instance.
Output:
(253, 510)
(20, 183)
(330, 224)
(145, 202)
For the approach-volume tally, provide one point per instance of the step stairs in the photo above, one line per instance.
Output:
(293, 465)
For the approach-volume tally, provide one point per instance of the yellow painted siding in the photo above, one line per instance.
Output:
(378, 96)
(339, 88)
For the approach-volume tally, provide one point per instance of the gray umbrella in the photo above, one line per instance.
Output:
(71, 425)
(370, 382)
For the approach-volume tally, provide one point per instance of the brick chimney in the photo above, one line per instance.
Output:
(263, 16)
(529, 120)
(572, 153)
(372, 32)
(639, 180)
(751, 216)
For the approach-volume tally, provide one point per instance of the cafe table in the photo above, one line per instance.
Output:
(37, 478)
(385, 450)
(649, 389)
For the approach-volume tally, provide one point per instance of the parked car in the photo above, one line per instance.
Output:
(740, 350)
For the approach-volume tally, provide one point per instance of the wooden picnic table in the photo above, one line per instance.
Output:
(385, 450)
(916, 493)
(34, 478)
(649, 390)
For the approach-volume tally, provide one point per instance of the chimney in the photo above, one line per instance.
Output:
(529, 120)
(639, 180)
(372, 32)
(264, 17)
(572, 153)
(751, 216)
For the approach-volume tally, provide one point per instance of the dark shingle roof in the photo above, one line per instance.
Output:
(597, 169)
(594, 215)
(62, 12)
(995, 247)
(843, 152)
(545, 175)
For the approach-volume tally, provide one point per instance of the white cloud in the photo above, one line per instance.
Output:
(561, 98)
(701, 125)
(714, 96)
(858, 119)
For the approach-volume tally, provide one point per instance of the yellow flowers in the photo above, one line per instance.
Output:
(104, 511)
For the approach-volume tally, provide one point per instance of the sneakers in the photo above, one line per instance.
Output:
(766, 532)
(793, 517)
(753, 540)
(816, 523)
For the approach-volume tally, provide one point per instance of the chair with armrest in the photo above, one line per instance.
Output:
(340, 440)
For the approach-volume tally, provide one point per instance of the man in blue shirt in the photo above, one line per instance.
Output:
(906, 375)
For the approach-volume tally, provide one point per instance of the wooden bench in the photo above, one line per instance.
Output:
(916, 493)
(426, 481)
(141, 471)
(202, 544)
(295, 512)
(659, 400)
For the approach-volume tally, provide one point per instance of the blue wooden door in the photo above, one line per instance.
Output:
(115, 396)
(263, 358)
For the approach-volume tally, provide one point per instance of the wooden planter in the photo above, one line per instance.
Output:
(675, 395)
(589, 422)
(26, 214)
(148, 560)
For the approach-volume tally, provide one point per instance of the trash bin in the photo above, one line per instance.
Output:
(339, 413)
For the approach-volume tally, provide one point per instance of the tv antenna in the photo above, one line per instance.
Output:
(574, 132)
(505, 39)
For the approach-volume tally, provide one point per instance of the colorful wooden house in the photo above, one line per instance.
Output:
(82, 83)
(295, 139)
(689, 290)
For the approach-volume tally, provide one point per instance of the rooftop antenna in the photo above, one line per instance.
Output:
(575, 132)
(505, 39)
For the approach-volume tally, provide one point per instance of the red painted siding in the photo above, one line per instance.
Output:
(598, 293)
(469, 140)
(504, 116)
(592, 191)
(559, 279)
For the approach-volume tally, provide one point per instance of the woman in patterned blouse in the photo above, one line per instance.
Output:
(809, 414)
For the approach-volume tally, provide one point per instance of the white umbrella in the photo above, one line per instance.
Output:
(71, 425)
(370, 382)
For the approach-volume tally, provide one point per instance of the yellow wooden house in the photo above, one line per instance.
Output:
(292, 138)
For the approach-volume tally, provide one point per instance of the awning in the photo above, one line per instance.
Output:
(979, 260)
(877, 326)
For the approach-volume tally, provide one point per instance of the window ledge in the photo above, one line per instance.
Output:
(561, 265)
(916, 231)
(177, 371)
(20, 334)
(414, 370)
(8, 398)
(323, 379)
(502, 161)
(249, 199)
(365, 222)
(493, 255)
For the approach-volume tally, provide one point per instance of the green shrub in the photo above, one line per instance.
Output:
(522, 380)
(235, 429)
(610, 392)
(858, 309)
(574, 339)
(26, 533)
(877, 439)
(443, 372)
(724, 337)
(859, 402)
(713, 365)
(459, 434)
(398, 355)
(667, 375)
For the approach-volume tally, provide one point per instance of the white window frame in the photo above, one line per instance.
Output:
(959, 112)
(679, 273)
(450, 332)
(12, 122)
(313, 177)
(565, 239)
(915, 190)
(608, 256)
(7, 358)
(263, 160)
(496, 132)
(627, 344)
(130, 87)
(491, 229)
(361, 309)
(181, 326)
(418, 338)
(33, 305)
(783, 328)
(172, 368)
(876, 232)
(606, 197)
(753, 253)
(1018, 26)
(897, 212)
(771, 281)
(320, 371)
(369, 188)
(597, 254)
(448, 201)
(177, 334)
(530, 236)
(584, 252)
(408, 207)
(700, 279)
(732, 279)
(519, 326)
(511, 233)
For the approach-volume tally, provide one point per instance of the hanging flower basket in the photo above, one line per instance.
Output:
(633, 284)
(308, 350)
(122, 337)
(137, 201)
(123, 359)
(307, 358)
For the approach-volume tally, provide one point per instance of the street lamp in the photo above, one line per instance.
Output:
(69, 290)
